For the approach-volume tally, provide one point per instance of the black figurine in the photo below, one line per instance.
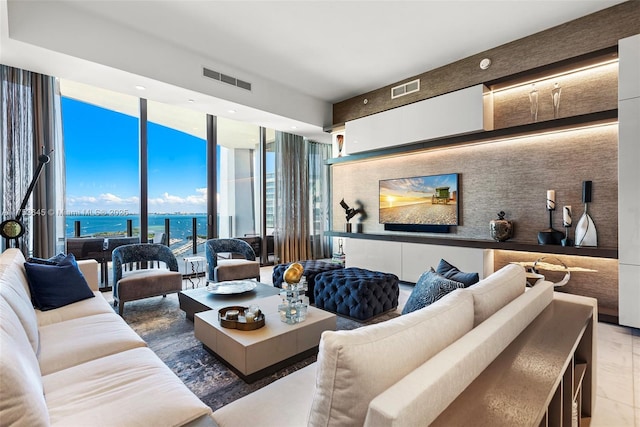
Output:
(350, 213)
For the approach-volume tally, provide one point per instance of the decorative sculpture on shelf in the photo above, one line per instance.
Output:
(566, 222)
(555, 96)
(586, 234)
(350, 213)
(533, 101)
(340, 139)
(501, 229)
(550, 236)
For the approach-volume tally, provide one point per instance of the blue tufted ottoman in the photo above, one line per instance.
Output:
(311, 269)
(356, 293)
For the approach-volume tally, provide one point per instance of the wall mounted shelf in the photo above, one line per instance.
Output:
(555, 125)
(520, 146)
(611, 253)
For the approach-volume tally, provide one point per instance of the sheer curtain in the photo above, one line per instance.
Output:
(319, 199)
(32, 125)
(292, 199)
(302, 205)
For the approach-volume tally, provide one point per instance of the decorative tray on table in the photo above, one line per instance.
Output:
(235, 317)
(231, 287)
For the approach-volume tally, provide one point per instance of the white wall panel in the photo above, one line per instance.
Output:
(628, 179)
(454, 113)
(629, 182)
(629, 71)
(629, 295)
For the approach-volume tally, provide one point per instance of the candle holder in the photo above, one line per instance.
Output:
(566, 222)
(550, 236)
(566, 241)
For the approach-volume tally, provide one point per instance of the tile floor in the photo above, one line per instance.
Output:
(618, 393)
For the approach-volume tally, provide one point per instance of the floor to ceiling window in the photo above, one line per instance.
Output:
(177, 177)
(101, 151)
(102, 137)
(268, 251)
(238, 176)
(270, 165)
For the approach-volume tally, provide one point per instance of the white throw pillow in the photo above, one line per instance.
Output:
(497, 290)
(21, 393)
(12, 288)
(355, 366)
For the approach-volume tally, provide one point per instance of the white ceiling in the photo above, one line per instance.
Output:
(325, 51)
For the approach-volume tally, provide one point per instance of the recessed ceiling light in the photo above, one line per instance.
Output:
(140, 87)
(232, 111)
(191, 101)
(294, 127)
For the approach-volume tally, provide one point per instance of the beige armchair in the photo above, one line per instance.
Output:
(233, 268)
(145, 282)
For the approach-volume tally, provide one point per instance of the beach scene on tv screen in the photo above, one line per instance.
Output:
(420, 200)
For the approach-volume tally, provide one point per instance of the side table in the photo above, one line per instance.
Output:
(194, 267)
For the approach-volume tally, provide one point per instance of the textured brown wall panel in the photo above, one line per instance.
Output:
(512, 176)
(582, 36)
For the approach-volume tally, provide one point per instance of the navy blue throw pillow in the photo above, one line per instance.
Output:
(54, 260)
(430, 287)
(54, 286)
(451, 272)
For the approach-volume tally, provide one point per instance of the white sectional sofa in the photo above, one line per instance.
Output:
(81, 364)
(407, 370)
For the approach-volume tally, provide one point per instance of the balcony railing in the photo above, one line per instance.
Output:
(99, 245)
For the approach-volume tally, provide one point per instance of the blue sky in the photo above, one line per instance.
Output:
(101, 149)
(420, 186)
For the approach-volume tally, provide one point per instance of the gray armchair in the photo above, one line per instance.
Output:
(146, 282)
(221, 269)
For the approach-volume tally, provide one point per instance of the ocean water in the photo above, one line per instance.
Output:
(97, 225)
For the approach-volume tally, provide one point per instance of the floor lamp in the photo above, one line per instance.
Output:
(13, 229)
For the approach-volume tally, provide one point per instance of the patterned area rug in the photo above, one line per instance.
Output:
(161, 323)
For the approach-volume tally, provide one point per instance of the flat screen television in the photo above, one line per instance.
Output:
(422, 200)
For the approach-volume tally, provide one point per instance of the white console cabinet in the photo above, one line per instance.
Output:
(376, 255)
(409, 260)
(463, 111)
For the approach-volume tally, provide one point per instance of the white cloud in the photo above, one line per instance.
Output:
(157, 201)
(196, 202)
(166, 202)
(82, 199)
(172, 199)
(112, 198)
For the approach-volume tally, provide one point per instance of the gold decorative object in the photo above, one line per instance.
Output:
(294, 302)
(293, 273)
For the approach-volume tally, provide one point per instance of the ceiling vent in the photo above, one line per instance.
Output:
(405, 89)
(224, 78)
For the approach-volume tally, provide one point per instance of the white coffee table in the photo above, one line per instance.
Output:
(254, 354)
